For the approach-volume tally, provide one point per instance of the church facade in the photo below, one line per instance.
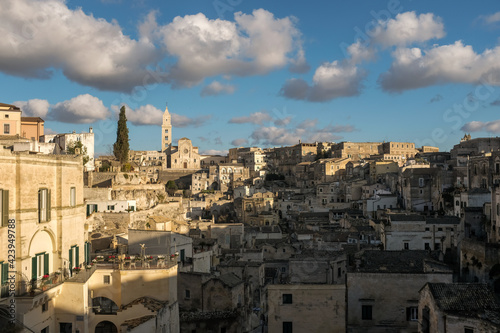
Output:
(182, 156)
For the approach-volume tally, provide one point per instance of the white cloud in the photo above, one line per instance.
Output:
(307, 131)
(80, 109)
(479, 126)
(214, 152)
(217, 88)
(257, 118)
(33, 107)
(239, 142)
(455, 63)
(253, 44)
(330, 81)
(185, 121)
(144, 115)
(39, 36)
(493, 18)
(408, 28)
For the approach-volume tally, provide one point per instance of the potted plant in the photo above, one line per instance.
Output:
(127, 259)
(149, 258)
(111, 258)
(161, 257)
(99, 258)
(77, 269)
(45, 277)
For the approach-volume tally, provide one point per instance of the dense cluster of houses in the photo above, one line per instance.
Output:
(314, 237)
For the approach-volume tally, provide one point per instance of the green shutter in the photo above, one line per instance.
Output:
(70, 258)
(46, 263)
(49, 206)
(34, 276)
(5, 273)
(88, 252)
(5, 208)
(39, 206)
(85, 252)
(77, 256)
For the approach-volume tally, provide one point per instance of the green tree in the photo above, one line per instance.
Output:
(74, 147)
(171, 187)
(121, 147)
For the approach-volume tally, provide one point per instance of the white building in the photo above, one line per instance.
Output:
(66, 139)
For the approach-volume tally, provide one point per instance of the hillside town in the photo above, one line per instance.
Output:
(312, 237)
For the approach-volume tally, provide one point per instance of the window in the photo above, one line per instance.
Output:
(421, 182)
(72, 197)
(187, 294)
(6, 129)
(6, 116)
(166, 131)
(287, 298)
(107, 279)
(4, 208)
(366, 312)
(440, 229)
(412, 313)
(39, 265)
(4, 276)
(468, 330)
(437, 246)
(45, 306)
(287, 327)
(406, 246)
(427, 246)
(339, 272)
(111, 207)
(44, 205)
(45, 330)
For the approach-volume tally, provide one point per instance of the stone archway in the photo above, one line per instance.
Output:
(106, 327)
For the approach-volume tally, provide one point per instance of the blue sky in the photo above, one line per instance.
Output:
(241, 72)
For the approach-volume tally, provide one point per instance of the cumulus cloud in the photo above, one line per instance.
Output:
(40, 37)
(257, 118)
(144, 115)
(217, 88)
(150, 115)
(283, 121)
(413, 68)
(490, 19)
(479, 126)
(330, 81)
(214, 152)
(408, 28)
(34, 107)
(307, 131)
(252, 44)
(185, 121)
(82, 109)
(239, 142)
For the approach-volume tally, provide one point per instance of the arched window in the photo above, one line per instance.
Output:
(104, 305)
(106, 327)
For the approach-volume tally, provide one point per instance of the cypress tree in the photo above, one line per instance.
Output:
(120, 148)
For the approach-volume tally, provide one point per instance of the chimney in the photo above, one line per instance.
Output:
(91, 130)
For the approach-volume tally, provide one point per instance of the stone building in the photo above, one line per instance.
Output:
(32, 128)
(418, 232)
(10, 120)
(372, 301)
(306, 308)
(183, 156)
(356, 150)
(458, 307)
(65, 140)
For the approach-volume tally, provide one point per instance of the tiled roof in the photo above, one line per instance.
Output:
(406, 217)
(230, 280)
(398, 261)
(467, 300)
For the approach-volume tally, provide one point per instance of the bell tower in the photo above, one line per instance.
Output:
(166, 131)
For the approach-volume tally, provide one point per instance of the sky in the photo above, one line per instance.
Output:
(255, 73)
